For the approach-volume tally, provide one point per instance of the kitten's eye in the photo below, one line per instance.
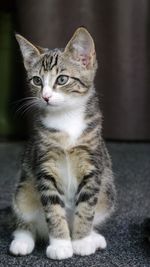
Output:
(62, 79)
(37, 81)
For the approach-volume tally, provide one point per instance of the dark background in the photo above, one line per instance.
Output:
(121, 30)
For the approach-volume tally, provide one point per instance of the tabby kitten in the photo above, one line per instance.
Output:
(66, 186)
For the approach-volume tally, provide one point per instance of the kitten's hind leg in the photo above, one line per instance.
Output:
(106, 200)
(25, 206)
(105, 206)
(23, 242)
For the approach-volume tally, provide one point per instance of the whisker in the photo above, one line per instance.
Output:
(25, 107)
(29, 109)
(24, 99)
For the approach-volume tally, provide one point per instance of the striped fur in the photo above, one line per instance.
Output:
(66, 187)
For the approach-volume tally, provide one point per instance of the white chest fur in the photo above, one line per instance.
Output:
(72, 122)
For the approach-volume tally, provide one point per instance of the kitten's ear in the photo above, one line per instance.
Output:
(81, 48)
(29, 52)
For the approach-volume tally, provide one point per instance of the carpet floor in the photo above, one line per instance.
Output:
(124, 231)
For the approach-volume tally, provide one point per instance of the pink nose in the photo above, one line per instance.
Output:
(46, 98)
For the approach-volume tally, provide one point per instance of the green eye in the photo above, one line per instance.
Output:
(37, 81)
(62, 79)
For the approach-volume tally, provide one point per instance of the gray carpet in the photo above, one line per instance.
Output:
(127, 243)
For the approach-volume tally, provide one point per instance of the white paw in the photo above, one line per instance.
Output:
(22, 244)
(89, 244)
(59, 249)
(99, 240)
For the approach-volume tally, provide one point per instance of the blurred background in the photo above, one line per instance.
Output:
(121, 30)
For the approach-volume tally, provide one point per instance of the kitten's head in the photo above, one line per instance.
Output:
(61, 78)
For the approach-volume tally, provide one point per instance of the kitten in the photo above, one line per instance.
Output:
(66, 186)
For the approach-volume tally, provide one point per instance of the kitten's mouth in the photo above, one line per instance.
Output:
(51, 104)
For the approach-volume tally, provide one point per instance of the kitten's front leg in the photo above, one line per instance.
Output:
(85, 240)
(60, 246)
